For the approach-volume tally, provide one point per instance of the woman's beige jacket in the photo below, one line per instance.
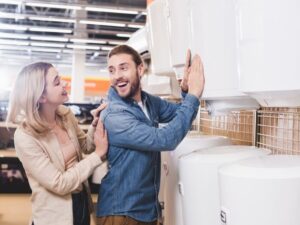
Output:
(44, 164)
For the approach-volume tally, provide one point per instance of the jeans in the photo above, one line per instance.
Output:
(81, 214)
(121, 220)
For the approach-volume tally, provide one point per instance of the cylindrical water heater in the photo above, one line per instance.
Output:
(198, 174)
(261, 191)
(169, 189)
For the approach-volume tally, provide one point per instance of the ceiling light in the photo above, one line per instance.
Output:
(12, 47)
(4, 26)
(100, 9)
(30, 49)
(116, 42)
(106, 48)
(123, 35)
(48, 38)
(94, 22)
(135, 26)
(13, 42)
(103, 70)
(96, 54)
(45, 50)
(13, 35)
(51, 19)
(12, 16)
(12, 2)
(83, 47)
(46, 29)
(92, 41)
(68, 51)
(48, 5)
(45, 44)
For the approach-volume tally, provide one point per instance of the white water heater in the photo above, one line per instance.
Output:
(171, 196)
(179, 32)
(261, 191)
(158, 40)
(214, 38)
(199, 186)
(213, 32)
(269, 51)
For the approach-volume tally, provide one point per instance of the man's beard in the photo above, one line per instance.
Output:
(134, 89)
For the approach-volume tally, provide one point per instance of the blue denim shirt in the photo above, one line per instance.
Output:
(131, 185)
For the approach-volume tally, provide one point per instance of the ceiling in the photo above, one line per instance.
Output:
(52, 30)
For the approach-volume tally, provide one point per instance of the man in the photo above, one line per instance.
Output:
(129, 191)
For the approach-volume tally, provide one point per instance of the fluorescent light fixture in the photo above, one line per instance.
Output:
(45, 44)
(123, 35)
(96, 54)
(94, 22)
(92, 41)
(4, 26)
(48, 38)
(49, 5)
(51, 19)
(11, 2)
(135, 26)
(13, 42)
(12, 16)
(68, 51)
(45, 50)
(13, 35)
(103, 70)
(144, 13)
(100, 9)
(46, 29)
(31, 49)
(116, 42)
(106, 48)
(12, 47)
(83, 47)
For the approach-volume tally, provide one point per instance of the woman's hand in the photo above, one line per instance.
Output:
(96, 113)
(100, 140)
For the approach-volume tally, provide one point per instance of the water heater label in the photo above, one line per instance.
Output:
(224, 216)
(180, 188)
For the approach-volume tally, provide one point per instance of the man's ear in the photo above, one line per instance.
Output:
(141, 70)
(43, 99)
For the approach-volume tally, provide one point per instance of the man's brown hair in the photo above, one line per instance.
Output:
(125, 49)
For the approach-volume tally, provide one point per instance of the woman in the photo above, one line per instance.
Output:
(50, 144)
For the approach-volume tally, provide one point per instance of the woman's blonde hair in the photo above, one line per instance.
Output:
(24, 99)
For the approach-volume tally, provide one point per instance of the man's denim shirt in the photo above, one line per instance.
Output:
(131, 185)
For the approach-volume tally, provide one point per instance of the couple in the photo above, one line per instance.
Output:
(50, 143)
